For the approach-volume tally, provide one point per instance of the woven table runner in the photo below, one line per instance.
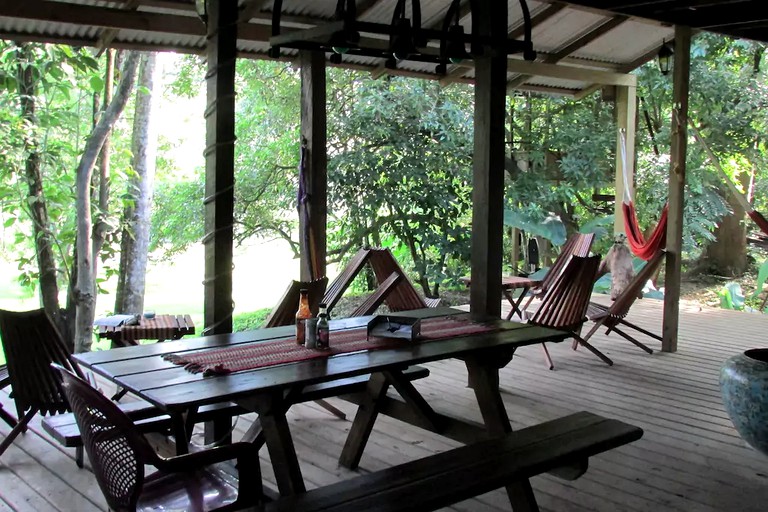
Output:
(256, 355)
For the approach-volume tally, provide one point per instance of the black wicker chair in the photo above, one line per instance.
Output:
(119, 453)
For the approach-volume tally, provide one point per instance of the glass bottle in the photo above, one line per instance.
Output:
(301, 315)
(323, 329)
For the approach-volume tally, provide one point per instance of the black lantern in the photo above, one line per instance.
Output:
(665, 58)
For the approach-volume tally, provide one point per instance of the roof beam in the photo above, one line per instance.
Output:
(573, 46)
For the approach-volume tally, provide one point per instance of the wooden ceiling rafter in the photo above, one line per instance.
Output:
(574, 46)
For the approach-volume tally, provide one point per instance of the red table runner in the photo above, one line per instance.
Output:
(256, 355)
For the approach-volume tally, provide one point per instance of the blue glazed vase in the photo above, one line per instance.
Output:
(744, 385)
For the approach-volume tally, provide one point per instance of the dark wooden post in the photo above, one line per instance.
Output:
(489, 18)
(673, 273)
(219, 165)
(313, 135)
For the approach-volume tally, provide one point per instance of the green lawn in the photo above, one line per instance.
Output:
(261, 273)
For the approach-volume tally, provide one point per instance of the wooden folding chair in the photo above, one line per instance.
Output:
(5, 380)
(399, 296)
(284, 313)
(578, 244)
(614, 315)
(564, 305)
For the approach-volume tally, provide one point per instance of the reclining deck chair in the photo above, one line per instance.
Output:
(119, 454)
(579, 244)
(614, 315)
(564, 305)
(397, 292)
(32, 342)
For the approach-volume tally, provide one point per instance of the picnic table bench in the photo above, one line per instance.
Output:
(160, 328)
(562, 446)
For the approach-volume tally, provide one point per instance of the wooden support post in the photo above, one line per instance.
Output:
(489, 19)
(673, 272)
(626, 120)
(313, 136)
(219, 165)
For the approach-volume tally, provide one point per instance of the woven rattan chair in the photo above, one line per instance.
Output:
(614, 315)
(31, 343)
(119, 454)
(564, 305)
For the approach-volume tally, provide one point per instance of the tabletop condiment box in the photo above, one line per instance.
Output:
(392, 326)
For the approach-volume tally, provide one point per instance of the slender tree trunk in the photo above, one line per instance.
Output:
(38, 209)
(134, 248)
(101, 189)
(85, 292)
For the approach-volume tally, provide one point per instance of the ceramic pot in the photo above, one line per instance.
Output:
(744, 385)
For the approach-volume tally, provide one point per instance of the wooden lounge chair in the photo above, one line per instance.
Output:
(119, 454)
(579, 244)
(31, 343)
(564, 305)
(399, 296)
(614, 315)
(284, 313)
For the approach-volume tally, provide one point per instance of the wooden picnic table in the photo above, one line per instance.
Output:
(268, 390)
(160, 328)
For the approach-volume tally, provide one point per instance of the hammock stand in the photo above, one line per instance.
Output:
(642, 248)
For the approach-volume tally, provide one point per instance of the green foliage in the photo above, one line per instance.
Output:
(549, 227)
(762, 276)
(249, 321)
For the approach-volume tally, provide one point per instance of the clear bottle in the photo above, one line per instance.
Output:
(301, 315)
(323, 329)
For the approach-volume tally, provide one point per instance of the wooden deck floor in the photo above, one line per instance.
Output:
(690, 458)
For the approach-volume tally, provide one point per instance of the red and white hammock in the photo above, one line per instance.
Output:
(642, 248)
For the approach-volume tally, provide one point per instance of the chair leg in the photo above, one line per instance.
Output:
(330, 408)
(548, 357)
(7, 417)
(632, 340)
(18, 429)
(592, 349)
(640, 329)
(79, 457)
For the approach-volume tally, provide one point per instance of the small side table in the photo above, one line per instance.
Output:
(160, 328)
(508, 284)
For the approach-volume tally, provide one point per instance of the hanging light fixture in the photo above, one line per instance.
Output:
(452, 44)
(404, 38)
(665, 58)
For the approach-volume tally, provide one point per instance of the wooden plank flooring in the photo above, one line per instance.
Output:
(690, 458)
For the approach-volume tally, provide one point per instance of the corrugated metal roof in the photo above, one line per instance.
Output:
(576, 40)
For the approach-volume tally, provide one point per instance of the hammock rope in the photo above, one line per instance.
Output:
(642, 248)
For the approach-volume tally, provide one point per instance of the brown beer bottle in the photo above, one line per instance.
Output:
(301, 315)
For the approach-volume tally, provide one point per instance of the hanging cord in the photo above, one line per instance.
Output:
(623, 147)
(215, 442)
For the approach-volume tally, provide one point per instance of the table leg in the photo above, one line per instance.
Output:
(277, 435)
(484, 375)
(362, 425)
(515, 303)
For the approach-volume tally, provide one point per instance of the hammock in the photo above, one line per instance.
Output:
(642, 248)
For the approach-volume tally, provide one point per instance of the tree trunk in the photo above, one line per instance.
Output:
(101, 186)
(134, 247)
(38, 209)
(85, 292)
(727, 255)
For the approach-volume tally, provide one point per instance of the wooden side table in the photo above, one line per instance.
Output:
(508, 284)
(160, 328)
